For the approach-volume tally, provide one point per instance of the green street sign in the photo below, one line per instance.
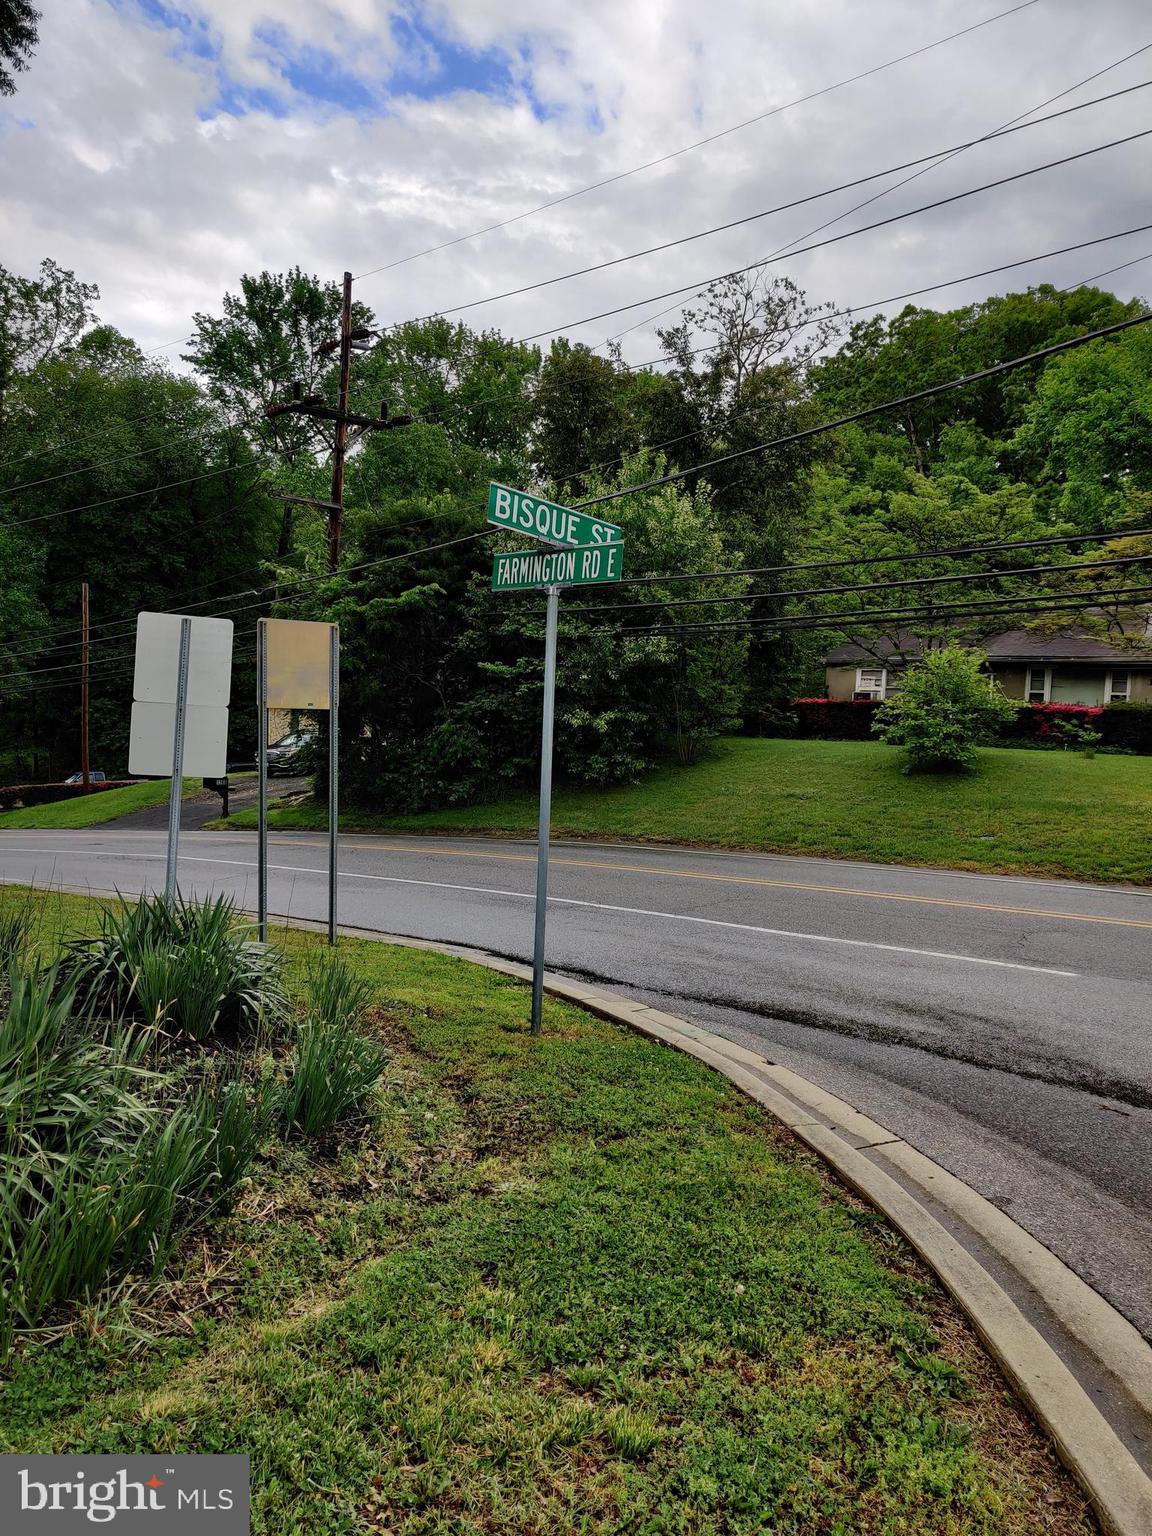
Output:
(557, 567)
(545, 520)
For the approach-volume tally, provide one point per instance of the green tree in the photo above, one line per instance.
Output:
(19, 34)
(1086, 436)
(945, 708)
(148, 495)
(274, 334)
(40, 317)
(885, 359)
(580, 414)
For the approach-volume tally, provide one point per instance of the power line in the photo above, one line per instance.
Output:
(835, 314)
(998, 132)
(849, 234)
(698, 144)
(864, 616)
(1095, 278)
(278, 594)
(126, 625)
(871, 410)
(867, 586)
(148, 490)
(891, 559)
(812, 197)
(124, 458)
(952, 282)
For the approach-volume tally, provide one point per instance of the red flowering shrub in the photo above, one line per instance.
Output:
(834, 719)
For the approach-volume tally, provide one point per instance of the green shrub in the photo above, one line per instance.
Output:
(189, 969)
(946, 707)
(1127, 726)
(334, 1067)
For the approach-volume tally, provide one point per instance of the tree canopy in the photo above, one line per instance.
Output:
(164, 487)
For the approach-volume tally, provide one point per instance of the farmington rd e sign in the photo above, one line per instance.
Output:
(563, 567)
(545, 520)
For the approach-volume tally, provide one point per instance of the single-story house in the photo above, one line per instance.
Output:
(1035, 668)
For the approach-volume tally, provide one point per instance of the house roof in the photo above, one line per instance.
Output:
(1011, 645)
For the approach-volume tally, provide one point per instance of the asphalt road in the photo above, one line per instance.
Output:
(1002, 1025)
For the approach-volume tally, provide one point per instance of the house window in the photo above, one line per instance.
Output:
(871, 682)
(1118, 688)
(1039, 685)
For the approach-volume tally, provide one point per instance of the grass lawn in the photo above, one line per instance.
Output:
(1024, 812)
(556, 1285)
(90, 810)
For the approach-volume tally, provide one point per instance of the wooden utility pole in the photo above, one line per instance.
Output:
(84, 762)
(351, 339)
(336, 516)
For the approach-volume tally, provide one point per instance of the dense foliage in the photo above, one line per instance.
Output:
(947, 706)
(165, 489)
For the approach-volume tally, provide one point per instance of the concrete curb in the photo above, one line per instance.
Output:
(851, 1143)
(1119, 1490)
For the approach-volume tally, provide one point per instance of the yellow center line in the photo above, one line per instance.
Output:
(756, 880)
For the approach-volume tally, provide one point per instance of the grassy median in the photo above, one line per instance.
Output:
(91, 810)
(1023, 812)
(555, 1285)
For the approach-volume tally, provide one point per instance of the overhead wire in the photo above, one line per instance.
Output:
(697, 144)
(856, 309)
(872, 410)
(701, 284)
(1012, 125)
(1059, 569)
(936, 157)
(922, 611)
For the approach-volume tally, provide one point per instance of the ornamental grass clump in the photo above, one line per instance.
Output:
(187, 969)
(334, 1066)
(105, 1163)
(945, 708)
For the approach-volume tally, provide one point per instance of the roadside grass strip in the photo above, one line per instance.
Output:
(1022, 812)
(544, 1286)
(91, 810)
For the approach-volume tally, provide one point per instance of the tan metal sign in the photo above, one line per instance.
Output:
(298, 664)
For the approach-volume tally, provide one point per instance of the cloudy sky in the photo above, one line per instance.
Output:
(163, 147)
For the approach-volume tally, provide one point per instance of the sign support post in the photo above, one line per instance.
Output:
(545, 825)
(176, 792)
(333, 772)
(581, 549)
(262, 780)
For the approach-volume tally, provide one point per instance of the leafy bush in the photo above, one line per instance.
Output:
(834, 719)
(334, 1067)
(191, 969)
(1127, 726)
(946, 707)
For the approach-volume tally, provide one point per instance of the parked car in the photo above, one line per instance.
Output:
(287, 755)
(94, 777)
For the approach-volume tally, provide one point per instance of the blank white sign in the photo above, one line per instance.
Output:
(158, 661)
(153, 735)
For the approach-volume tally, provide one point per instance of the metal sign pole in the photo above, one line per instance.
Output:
(545, 806)
(176, 792)
(333, 771)
(262, 780)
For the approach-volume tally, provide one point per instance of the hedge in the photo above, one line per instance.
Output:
(835, 719)
(1126, 727)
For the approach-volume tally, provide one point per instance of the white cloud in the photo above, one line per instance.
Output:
(132, 174)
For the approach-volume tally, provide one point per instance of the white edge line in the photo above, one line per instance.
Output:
(601, 906)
